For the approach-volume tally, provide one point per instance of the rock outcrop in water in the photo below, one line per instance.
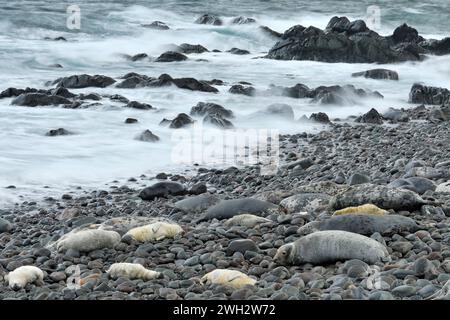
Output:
(171, 56)
(209, 108)
(429, 95)
(157, 25)
(347, 94)
(135, 80)
(84, 81)
(209, 19)
(381, 74)
(353, 42)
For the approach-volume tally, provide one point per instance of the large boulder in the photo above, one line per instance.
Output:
(209, 19)
(353, 42)
(139, 105)
(194, 85)
(39, 99)
(372, 117)
(180, 121)
(84, 81)
(209, 108)
(381, 74)
(187, 48)
(171, 56)
(240, 89)
(429, 95)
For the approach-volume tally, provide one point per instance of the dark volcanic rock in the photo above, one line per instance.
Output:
(209, 108)
(131, 120)
(238, 51)
(39, 99)
(243, 20)
(372, 117)
(147, 136)
(139, 105)
(240, 89)
(58, 132)
(193, 84)
(84, 81)
(218, 121)
(171, 56)
(137, 57)
(14, 92)
(209, 19)
(320, 117)
(351, 42)
(158, 25)
(187, 48)
(377, 74)
(162, 190)
(270, 32)
(180, 121)
(429, 95)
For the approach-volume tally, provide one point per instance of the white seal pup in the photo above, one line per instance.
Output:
(88, 240)
(155, 231)
(367, 208)
(330, 246)
(232, 278)
(246, 220)
(24, 275)
(131, 271)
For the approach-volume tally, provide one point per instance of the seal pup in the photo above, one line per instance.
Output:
(155, 231)
(24, 275)
(364, 224)
(330, 246)
(367, 208)
(232, 278)
(131, 271)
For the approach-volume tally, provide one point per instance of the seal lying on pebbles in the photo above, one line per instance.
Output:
(88, 240)
(232, 278)
(229, 208)
(155, 231)
(330, 246)
(197, 203)
(364, 209)
(162, 190)
(363, 224)
(246, 220)
(381, 196)
(24, 275)
(131, 271)
(305, 202)
(123, 224)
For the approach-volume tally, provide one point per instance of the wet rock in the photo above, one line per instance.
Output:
(209, 19)
(180, 121)
(396, 115)
(209, 108)
(238, 51)
(372, 117)
(58, 132)
(383, 74)
(39, 99)
(243, 20)
(5, 225)
(171, 56)
(131, 120)
(147, 136)
(84, 81)
(187, 48)
(320, 117)
(218, 121)
(240, 89)
(139, 105)
(358, 178)
(429, 95)
(157, 25)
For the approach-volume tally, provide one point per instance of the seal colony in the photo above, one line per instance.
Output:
(366, 197)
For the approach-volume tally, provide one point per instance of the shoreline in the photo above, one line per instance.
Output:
(322, 164)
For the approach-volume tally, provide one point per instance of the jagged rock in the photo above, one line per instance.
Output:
(240, 89)
(147, 136)
(209, 19)
(158, 25)
(187, 48)
(84, 81)
(243, 20)
(429, 95)
(372, 117)
(39, 99)
(320, 117)
(209, 108)
(351, 42)
(270, 32)
(171, 56)
(377, 74)
(218, 121)
(180, 121)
